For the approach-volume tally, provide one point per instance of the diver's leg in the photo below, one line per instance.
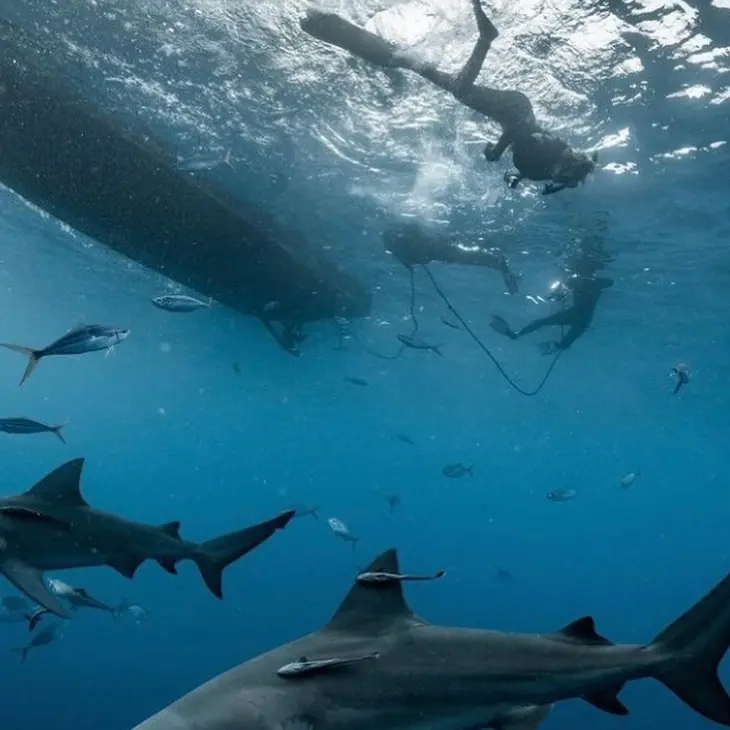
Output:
(331, 28)
(465, 79)
(559, 319)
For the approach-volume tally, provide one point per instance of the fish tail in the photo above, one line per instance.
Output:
(33, 357)
(690, 651)
(470, 470)
(678, 387)
(57, 430)
(437, 350)
(213, 556)
(23, 651)
(227, 159)
(315, 513)
(118, 611)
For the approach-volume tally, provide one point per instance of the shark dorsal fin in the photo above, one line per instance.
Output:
(61, 486)
(171, 529)
(584, 631)
(373, 606)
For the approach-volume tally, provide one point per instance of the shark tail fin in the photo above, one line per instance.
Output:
(691, 649)
(33, 358)
(213, 556)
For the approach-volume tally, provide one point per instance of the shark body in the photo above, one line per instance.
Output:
(52, 527)
(425, 677)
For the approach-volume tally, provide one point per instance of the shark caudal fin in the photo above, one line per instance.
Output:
(693, 647)
(213, 556)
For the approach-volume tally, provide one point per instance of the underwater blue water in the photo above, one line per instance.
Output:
(171, 432)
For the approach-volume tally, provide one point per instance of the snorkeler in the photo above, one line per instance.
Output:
(537, 154)
(412, 245)
(586, 290)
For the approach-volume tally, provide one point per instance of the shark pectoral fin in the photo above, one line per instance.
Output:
(168, 564)
(27, 514)
(608, 701)
(125, 565)
(584, 631)
(29, 580)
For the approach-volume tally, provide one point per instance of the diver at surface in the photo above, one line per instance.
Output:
(537, 154)
(411, 244)
(586, 290)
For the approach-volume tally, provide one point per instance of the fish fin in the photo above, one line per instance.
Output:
(213, 556)
(171, 529)
(608, 701)
(30, 515)
(584, 631)
(57, 430)
(61, 486)
(168, 564)
(525, 718)
(126, 566)
(121, 609)
(33, 357)
(35, 617)
(373, 605)
(693, 647)
(29, 580)
(23, 651)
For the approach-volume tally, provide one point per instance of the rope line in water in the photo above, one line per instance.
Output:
(486, 350)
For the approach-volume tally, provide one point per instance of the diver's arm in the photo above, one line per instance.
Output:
(552, 187)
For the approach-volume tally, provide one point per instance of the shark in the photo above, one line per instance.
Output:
(52, 527)
(377, 664)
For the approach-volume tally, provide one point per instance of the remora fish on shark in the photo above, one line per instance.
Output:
(452, 678)
(51, 527)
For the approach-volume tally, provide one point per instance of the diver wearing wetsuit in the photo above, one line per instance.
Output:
(586, 291)
(412, 245)
(536, 154)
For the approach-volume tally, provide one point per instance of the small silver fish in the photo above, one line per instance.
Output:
(45, 636)
(458, 470)
(342, 530)
(27, 426)
(210, 161)
(379, 578)
(78, 341)
(682, 374)
(628, 479)
(416, 342)
(138, 613)
(306, 667)
(561, 495)
(179, 303)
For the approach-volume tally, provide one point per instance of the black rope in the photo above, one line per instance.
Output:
(372, 352)
(412, 307)
(486, 350)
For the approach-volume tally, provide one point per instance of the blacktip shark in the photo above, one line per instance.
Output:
(376, 664)
(52, 527)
